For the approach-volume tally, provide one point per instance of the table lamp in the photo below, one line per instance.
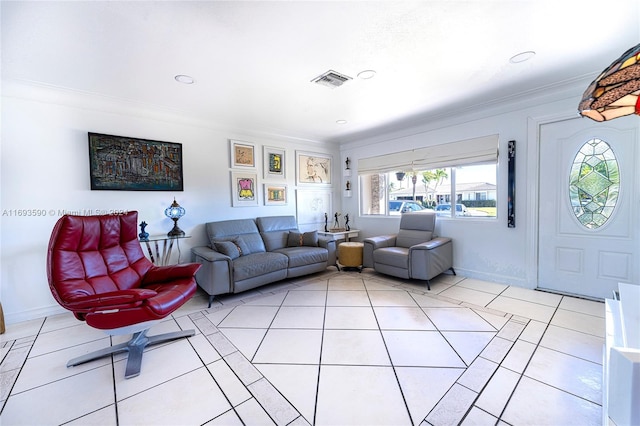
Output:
(175, 212)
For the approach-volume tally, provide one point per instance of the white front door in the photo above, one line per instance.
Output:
(580, 250)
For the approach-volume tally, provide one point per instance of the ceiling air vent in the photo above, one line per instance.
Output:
(331, 79)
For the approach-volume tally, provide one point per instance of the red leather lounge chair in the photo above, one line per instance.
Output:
(96, 269)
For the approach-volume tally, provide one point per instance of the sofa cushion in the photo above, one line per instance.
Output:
(234, 247)
(255, 264)
(300, 256)
(296, 239)
(394, 256)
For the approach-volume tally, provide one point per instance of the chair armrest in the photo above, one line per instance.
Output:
(381, 241)
(428, 259)
(431, 244)
(110, 300)
(160, 274)
(374, 243)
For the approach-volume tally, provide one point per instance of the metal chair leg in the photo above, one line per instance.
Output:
(135, 348)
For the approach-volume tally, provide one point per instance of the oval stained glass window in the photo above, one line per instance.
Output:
(594, 183)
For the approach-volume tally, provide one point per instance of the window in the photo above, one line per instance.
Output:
(392, 194)
(594, 183)
(462, 173)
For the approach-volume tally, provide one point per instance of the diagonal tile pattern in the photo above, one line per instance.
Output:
(337, 348)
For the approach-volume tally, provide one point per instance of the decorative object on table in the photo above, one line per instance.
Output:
(275, 194)
(149, 166)
(326, 219)
(346, 222)
(616, 91)
(336, 223)
(312, 168)
(144, 235)
(175, 212)
(244, 192)
(242, 154)
(275, 166)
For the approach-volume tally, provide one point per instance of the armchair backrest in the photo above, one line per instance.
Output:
(416, 228)
(90, 255)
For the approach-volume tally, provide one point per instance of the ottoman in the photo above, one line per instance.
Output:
(350, 255)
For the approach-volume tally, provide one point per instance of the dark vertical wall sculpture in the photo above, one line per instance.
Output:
(511, 209)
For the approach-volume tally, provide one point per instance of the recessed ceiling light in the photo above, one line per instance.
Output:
(184, 79)
(366, 74)
(522, 57)
(341, 121)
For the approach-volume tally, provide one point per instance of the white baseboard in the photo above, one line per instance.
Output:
(13, 318)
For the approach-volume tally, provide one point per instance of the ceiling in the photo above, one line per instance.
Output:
(253, 62)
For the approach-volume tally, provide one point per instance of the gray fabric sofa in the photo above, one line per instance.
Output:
(415, 252)
(246, 253)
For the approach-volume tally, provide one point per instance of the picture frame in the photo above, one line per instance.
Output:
(313, 168)
(244, 189)
(274, 163)
(311, 207)
(275, 194)
(121, 163)
(243, 154)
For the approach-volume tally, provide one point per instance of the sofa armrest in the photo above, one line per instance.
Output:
(330, 244)
(374, 243)
(216, 274)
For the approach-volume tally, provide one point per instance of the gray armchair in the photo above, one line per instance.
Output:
(413, 253)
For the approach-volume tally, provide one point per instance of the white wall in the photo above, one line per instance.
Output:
(483, 248)
(45, 167)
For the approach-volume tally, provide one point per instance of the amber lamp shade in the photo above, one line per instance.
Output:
(615, 92)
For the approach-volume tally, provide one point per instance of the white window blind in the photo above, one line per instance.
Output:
(452, 154)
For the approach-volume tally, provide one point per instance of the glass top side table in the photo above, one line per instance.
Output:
(163, 257)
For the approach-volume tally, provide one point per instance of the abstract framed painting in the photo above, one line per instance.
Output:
(244, 189)
(120, 163)
(275, 165)
(275, 194)
(313, 168)
(243, 154)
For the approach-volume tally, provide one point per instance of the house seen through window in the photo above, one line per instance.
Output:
(470, 188)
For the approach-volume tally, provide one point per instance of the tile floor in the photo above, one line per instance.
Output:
(337, 348)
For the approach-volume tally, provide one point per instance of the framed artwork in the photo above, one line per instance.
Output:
(243, 154)
(244, 187)
(275, 194)
(274, 163)
(314, 169)
(311, 207)
(132, 164)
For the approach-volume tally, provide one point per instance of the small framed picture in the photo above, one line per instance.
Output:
(244, 189)
(275, 194)
(243, 154)
(313, 169)
(274, 163)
